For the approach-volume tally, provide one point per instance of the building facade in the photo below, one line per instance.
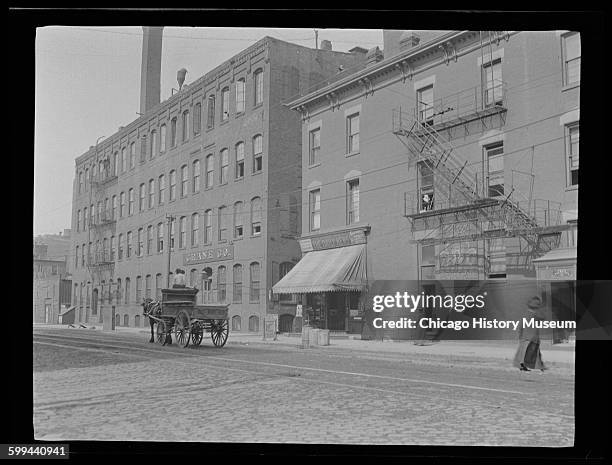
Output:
(455, 157)
(51, 281)
(211, 175)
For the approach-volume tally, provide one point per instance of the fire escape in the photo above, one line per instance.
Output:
(100, 261)
(464, 215)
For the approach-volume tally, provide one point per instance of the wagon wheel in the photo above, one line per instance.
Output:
(182, 328)
(161, 332)
(197, 332)
(218, 332)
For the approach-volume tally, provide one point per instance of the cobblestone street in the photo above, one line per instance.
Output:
(100, 386)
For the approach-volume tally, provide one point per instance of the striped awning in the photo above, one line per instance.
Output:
(339, 269)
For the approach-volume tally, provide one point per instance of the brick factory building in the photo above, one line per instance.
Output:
(211, 172)
(454, 155)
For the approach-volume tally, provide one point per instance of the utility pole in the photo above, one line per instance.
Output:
(316, 39)
(170, 219)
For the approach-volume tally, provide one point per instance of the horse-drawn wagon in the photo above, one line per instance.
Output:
(178, 314)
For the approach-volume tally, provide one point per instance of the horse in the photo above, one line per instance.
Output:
(153, 307)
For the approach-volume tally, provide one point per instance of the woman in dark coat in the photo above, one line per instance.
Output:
(528, 356)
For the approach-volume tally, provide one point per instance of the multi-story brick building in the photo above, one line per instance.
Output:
(51, 282)
(454, 157)
(221, 157)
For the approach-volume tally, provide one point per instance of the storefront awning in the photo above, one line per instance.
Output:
(339, 269)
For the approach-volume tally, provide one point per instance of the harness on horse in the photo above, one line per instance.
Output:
(152, 308)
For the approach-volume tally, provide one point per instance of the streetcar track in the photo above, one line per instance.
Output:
(177, 350)
(184, 354)
(428, 396)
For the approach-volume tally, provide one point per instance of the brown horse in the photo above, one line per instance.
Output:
(153, 307)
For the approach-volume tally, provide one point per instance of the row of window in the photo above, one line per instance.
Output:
(126, 158)
(115, 207)
(122, 246)
(120, 291)
(352, 205)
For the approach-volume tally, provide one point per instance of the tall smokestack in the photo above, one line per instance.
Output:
(150, 71)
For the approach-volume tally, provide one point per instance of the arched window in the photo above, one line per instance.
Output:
(210, 121)
(78, 222)
(208, 226)
(76, 258)
(210, 170)
(128, 247)
(112, 248)
(132, 155)
(87, 178)
(184, 180)
(172, 185)
(224, 166)
(221, 284)
(161, 189)
(118, 291)
(185, 128)
(193, 278)
(120, 247)
(254, 323)
(81, 186)
(239, 160)
(225, 103)
(257, 153)
(121, 204)
(206, 285)
(85, 218)
(151, 193)
(222, 223)
(148, 286)
(197, 118)
(254, 282)
(141, 197)
(196, 176)
(240, 96)
(137, 321)
(238, 220)
(256, 216)
(126, 320)
(131, 202)
(172, 230)
(117, 320)
(236, 323)
(140, 243)
(195, 229)
(153, 145)
(114, 208)
(182, 232)
(173, 132)
(237, 284)
(162, 138)
(258, 86)
(127, 290)
(149, 239)
(116, 164)
(160, 237)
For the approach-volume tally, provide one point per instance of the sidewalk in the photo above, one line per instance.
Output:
(496, 353)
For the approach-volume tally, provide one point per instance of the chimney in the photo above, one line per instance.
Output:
(150, 71)
(374, 56)
(408, 40)
(326, 45)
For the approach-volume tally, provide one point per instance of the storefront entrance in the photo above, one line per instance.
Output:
(334, 311)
